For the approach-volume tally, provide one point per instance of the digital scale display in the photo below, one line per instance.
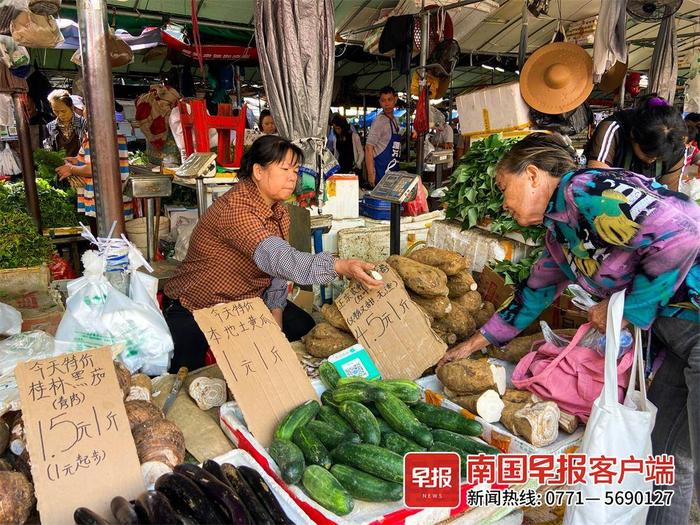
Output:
(395, 186)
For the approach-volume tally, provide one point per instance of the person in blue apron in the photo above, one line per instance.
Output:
(383, 145)
(649, 140)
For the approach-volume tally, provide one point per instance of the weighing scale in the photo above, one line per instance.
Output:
(148, 182)
(396, 187)
(440, 158)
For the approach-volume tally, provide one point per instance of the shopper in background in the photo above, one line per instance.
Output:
(610, 230)
(443, 136)
(65, 132)
(383, 145)
(239, 250)
(267, 123)
(347, 145)
(649, 140)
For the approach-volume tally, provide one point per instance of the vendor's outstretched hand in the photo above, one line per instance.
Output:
(465, 349)
(357, 270)
(598, 316)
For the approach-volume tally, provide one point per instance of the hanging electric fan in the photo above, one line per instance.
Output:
(652, 10)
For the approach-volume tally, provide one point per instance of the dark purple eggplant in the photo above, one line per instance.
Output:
(247, 494)
(187, 498)
(84, 516)
(214, 468)
(156, 509)
(124, 512)
(264, 493)
(220, 493)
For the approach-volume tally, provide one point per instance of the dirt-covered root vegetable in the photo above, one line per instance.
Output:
(208, 392)
(461, 283)
(424, 280)
(458, 322)
(4, 436)
(16, 498)
(139, 411)
(333, 317)
(446, 260)
(472, 376)
(124, 377)
(567, 422)
(518, 347)
(470, 300)
(487, 405)
(447, 337)
(143, 381)
(537, 423)
(520, 397)
(484, 314)
(436, 307)
(325, 340)
(159, 440)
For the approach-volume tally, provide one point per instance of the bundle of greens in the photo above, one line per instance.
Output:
(516, 272)
(46, 162)
(20, 243)
(473, 194)
(57, 207)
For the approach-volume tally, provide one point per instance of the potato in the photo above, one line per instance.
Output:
(484, 314)
(461, 283)
(472, 376)
(325, 340)
(16, 497)
(458, 322)
(518, 347)
(421, 278)
(435, 307)
(447, 261)
(333, 317)
(470, 300)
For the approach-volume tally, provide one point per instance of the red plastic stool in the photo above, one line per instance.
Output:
(197, 122)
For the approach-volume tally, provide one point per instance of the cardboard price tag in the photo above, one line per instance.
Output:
(393, 330)
(77, 434)
(258, 363)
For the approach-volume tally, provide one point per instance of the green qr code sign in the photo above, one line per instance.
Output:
(355, 362)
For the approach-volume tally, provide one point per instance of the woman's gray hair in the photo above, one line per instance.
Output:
(548, 152)
(62, 95)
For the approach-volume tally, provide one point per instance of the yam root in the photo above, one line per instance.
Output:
(470, 300)
(487, 405)
(435, 307)
(139, 412)
(334, 318)
(159, 440)
(124, 377)
(567, 422)
(458, 322)
(518, 347)
(422, 279)
(325, 340)
(16, 498)
(447, 261)
(484, 314)
(447, 337)
(520, 397)
(461, 283)
(472, 376)
(537, 423)
(208, 392)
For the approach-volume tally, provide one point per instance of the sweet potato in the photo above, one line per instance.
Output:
(472, 376)
(461, 283)
(448, 261)
(518, 347)
(484, 314)
(422, 279)
(435, 307)
(325, 340)
(470, 300)
(334, 318)
(487, 405)
(448, 338)
(458, 322)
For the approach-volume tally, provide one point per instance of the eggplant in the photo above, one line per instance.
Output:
(124, 512)
(156, 508)
(214, 468)
(223, 495)
(265, 495)
(240, 485)
(188, 499)
(84, 516)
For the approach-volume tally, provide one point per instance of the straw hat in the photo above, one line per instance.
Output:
(557, 78)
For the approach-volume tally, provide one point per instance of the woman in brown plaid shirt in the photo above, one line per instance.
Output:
(239, 250)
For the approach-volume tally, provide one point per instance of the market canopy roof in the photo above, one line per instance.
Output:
(231, 21)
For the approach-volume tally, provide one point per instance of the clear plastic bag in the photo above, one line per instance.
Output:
(10, 320)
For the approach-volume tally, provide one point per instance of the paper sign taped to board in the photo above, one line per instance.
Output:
(393, 330)
(77, 434)
(259, 365)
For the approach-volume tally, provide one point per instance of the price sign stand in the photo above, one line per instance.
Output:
(396, 187)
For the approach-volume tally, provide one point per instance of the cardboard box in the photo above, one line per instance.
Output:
(27, 290)
(493, 109)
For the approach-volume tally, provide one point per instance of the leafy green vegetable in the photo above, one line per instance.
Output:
(514, 273)
(46, 163)
(138, 158)
(57, 207)
(20, 243)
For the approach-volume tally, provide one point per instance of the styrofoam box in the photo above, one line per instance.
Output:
(343, 192)
(493, 109)
(330, 239)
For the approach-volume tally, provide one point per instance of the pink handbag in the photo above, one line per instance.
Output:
(573, 377)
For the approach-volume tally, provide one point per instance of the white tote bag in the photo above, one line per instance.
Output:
(616, 430)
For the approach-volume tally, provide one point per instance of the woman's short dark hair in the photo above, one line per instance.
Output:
(267, 150)
(341, 122)
(659, 131)
(264, 113)
(549, 152)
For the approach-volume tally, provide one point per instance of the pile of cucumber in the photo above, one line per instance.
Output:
(352, 445)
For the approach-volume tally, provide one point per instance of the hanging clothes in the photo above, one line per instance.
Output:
(397, 36)
(609, 42)
(663, 71)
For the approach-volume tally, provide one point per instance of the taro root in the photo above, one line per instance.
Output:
(159, 440)
(139, 412)
(208, 392)
(16, 498)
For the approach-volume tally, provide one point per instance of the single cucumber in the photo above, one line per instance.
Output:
(329, 375)
(366, 487)
(383, 425)
(330, 415)
(406, 390)
(289, 459)
(327, 491)
(352, 380)
(298, 417)
(362, 420)
(372, 459)
(399, 444)
(327, 399)
(315, 453)
(446, 419)
(439, 446)
(357, 393)
(465, 443)
(401, 419)
(329, 436)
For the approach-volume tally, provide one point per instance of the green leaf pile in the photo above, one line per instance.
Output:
(20, 242)
(46, 162)
(516, 272)
(57, 207)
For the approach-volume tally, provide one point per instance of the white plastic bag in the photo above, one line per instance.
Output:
(10, 320)
(616, 430)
